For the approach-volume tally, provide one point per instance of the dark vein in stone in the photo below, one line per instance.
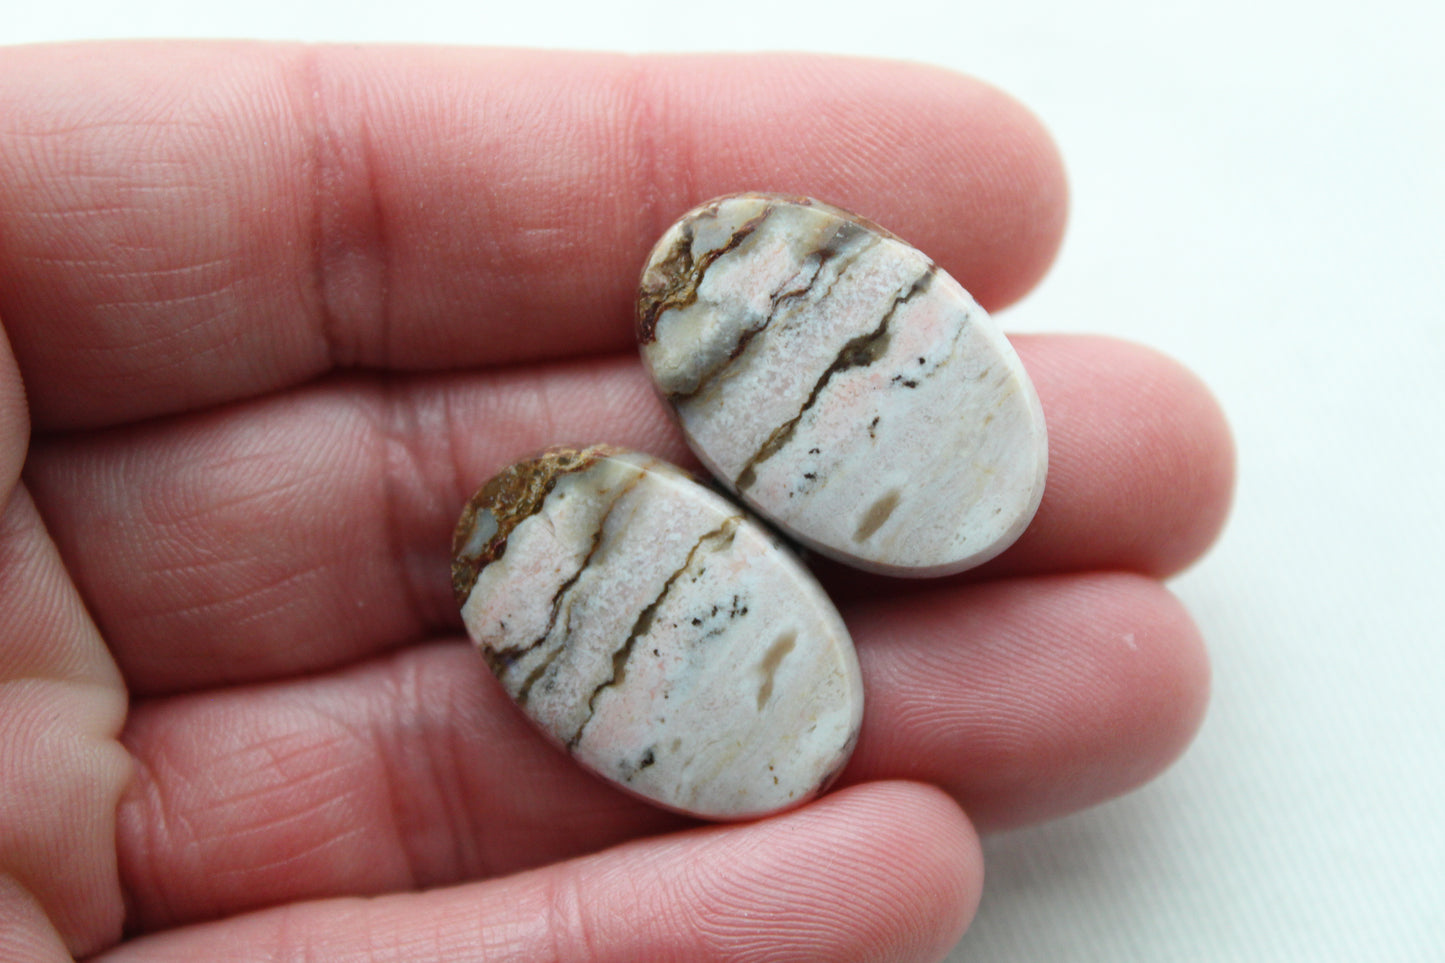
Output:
(857, 353)
(716, 540)
(949, 355)
(845, 234)
(513, 495)
(673, 281)
(525, 692)
(502, 659)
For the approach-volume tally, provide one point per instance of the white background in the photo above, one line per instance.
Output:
(1259, 190)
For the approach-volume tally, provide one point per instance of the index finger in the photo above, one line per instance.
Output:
(187, 224)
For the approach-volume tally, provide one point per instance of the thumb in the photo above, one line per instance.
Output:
(62, 703)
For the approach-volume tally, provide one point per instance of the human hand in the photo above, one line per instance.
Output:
(278, 311)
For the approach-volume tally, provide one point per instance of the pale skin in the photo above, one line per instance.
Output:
(273, 312)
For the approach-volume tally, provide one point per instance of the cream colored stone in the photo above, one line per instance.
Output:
(656, 631)
(842, 385)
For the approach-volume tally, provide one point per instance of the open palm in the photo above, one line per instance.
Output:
(275, 312)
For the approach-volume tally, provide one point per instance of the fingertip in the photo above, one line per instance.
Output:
(1196, 450)
(1141, 460)
(1216, 473)
(1012, 176)
(1028, 699)
(1150, 693)
(879, 871)
(939, 843)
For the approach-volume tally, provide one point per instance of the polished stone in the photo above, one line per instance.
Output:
(657, 632)
(842, 385)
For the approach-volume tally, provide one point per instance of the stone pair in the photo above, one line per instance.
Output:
(842, 387)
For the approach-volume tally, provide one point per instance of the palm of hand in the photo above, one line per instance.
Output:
(276, 322)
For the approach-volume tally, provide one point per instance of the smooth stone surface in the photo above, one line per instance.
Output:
(657, 632)
(845, 387)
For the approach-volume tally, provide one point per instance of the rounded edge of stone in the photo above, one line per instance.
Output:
(652, 302)
(1021, 521)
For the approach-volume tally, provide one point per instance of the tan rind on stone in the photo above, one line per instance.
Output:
(508, 498)
(672, 280)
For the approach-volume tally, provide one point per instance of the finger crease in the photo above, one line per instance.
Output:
(642, 105)
(351, 266)
(401, 470)
(571, 933)
(408, 789)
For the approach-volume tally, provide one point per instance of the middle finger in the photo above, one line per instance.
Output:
(311, 530)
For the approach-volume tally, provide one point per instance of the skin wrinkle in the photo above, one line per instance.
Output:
(180, 270)
(410, 689)
(568, 929)
(297, 858)
(274, 811)
(143, 818)
(264, 820)
(183, 517)
(299, 794)
(642, 95)
(327, 321)
(400, 456)
(472, 855)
